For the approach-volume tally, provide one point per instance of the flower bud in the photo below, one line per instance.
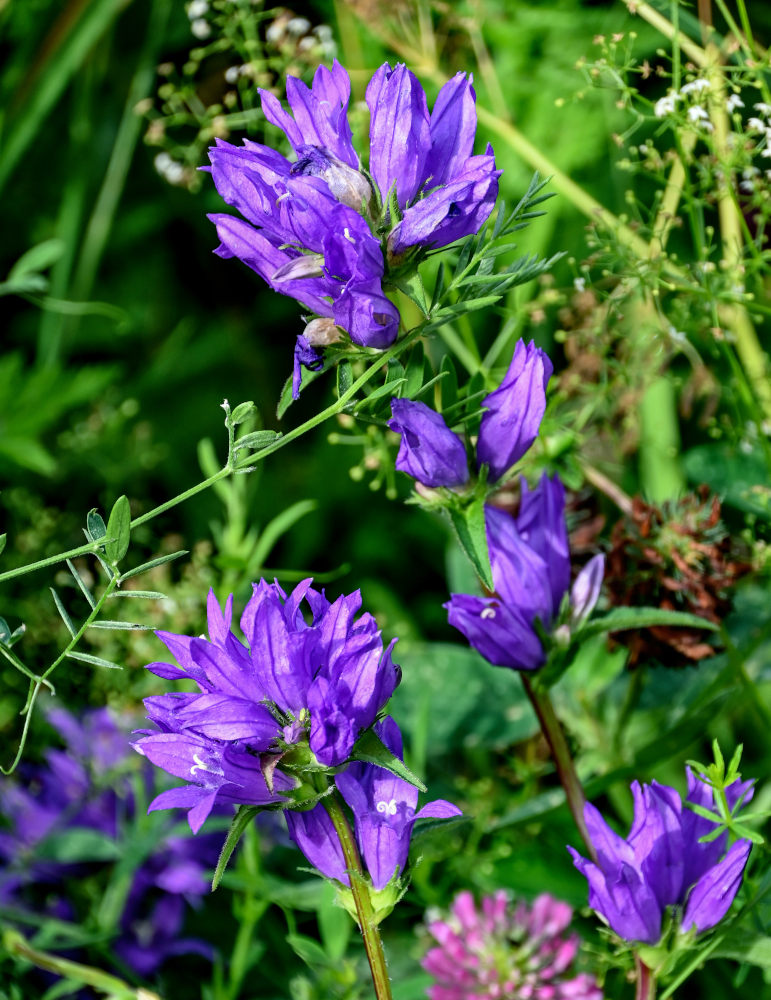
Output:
(346, 184)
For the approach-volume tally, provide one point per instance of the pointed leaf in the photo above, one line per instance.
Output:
(257, 440)
(121, 626)
(469, 524)
(344, 378)
(63, 613)
(622, 619)
(148, 595)
(95, 526)
(240, 822)
(152, 564)
(84, 589)
(241, 413)
(371, 750)
(95, 661)
(412, 286)
(118, 530)
(3, 540)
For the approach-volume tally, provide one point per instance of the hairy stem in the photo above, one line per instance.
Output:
(360, 891)
(555, 737)
(645, 988)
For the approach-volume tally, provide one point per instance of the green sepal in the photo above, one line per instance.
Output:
(95, 526)
(370, 749)
(238, 826)
(344, 378)
(469, 525)
(241, 413)
(411, 285)
(118, 530)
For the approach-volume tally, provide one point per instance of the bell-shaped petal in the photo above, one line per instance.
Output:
(656, 837)
(711, 897)
(429, 451)
(450, 212)
(585, 591)
(314, 833)
(500, 633)
(514, 411)
(452, 128)
(350, 187)
(541, 524)
(625, 901)
(367, 315)
(400, 137)
(520, 573)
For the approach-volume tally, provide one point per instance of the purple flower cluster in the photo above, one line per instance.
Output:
(434, 455)
(384, 812)
(323, 681)
(321, 229)
(530, 563)
(497, 951)
(663, 863)
(294, 684)
(86, 788)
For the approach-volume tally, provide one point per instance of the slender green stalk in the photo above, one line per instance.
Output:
(81, 550)
(373, 945)
(646, 981)
(694, 52)
(555, 737)
(15, 944)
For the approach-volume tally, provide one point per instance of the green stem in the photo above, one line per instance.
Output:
(81, 550)
(555, 737)
(646, 981)
(360, 892)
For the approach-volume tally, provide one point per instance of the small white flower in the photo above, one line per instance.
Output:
(275, 32)
(323, 32)
(298, 26)
(766, 151)
(579, 284)
(734, 102)
(757, 124)
(695, 86)
(306, 44)
(749, 172)
(665, 106)
(747, 186)
(197, 9)
(697, 113)
(232, 73)
(200, 28)
(764, 109)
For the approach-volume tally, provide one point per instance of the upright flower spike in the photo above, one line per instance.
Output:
(319, 683)
(662, 864)
(530, 563)
(499, 950)
(312, 229)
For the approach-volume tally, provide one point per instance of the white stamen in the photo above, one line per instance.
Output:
(387, 808)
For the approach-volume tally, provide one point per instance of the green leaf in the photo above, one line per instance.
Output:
(344, 378)
(36, 259)
(412, 286)
(151, 564)
(3, 540)
(387, 389)
(240, 822)
(739, 945)
(415, 372)
(83, 588)
(257, 440)
(623, 619)
(121, 626)
(63, 613)
(469, 525)
(79, 845)
(148, 595)
(95, 526)
(308, 950)
(277, 527)
(371, 750)
(334, 923)
(241, 413)
(118, 530)
(449, 383)
(95, 661)
(285, 400)
(5, 631)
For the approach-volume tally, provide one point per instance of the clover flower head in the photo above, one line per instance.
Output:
(663, 864)
(497, 950)
(325, 232)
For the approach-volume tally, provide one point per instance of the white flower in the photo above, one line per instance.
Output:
(200, 28)
(734, 102)
(665, 105)
(757, 124)
(298, 26)
(275, 32)
(695, 86)
(579, 284)
(764, 109)
(747, 186)
(197, 9)
(697, 113)
(766, 151)
(232, 73)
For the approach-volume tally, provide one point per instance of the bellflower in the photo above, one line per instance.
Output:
(530, 563)
(661, 863)
(321, 230)
(384, 813)
(498, 950)
(87, 787)
(322, 682)
(434, 455)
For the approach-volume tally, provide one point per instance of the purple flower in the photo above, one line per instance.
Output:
(315, 229)
(513, 411)
(384, 813)
(88, 787)
(530, 563)
(322, 681)
(662, 864)
(429, 451)
(498, 950)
